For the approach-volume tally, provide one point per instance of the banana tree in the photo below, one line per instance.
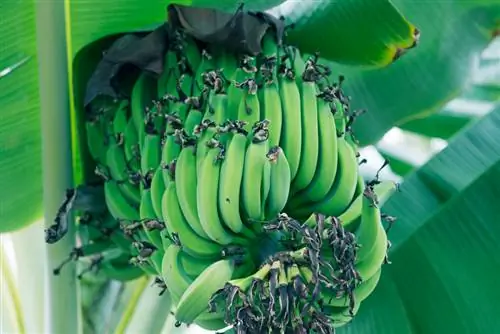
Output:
(413, 68)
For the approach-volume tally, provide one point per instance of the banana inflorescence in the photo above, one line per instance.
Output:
(237, 185)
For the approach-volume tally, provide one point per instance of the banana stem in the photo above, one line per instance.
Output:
(140, 286)
(144, 319)
(8, 278)
(62, 314)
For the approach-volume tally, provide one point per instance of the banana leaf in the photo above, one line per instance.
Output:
(444, 246)
(453, 34)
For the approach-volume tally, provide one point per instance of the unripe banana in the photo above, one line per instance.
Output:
(142, 96)
(173, 274)
(310, 136)
(151, 153)
(157, 190)
(231, 175)
(326, 170)
(291, 132)
(96, 140)
(254, 176)
(342, 191)
(185, 184)
(117, 205)
(367, 232)
(194, 300)
(147, 214)
(280, 182)
(207, 199)
(360, 293)
(191, 242)
(350, 216)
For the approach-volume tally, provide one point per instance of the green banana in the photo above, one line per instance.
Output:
(119, 171)
(194, 300)
(117, 204)
(185, 180)
(219, 116)
(371, 263)
(193, 119)
(291, 132)
(151, 153)
(280, 182)
(147, 213)
(207, 199)
(173, 274)
(212, 324)
(270, 105)
(249, 108)
(191, 243)
(123, 273)
(349, 217)
(96, 141)
(193, 266)
(157, 190)
(360, 293)
(120, 119)
(340, 195)
(231, 174)
(326, 170)
(310, 136)
(131, 146)
(141, 98)
(371, 221)
(168, 79)
(254, 173)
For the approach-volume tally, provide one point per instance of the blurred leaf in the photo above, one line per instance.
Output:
(449, 121)
(444, 243)
(355, 32)
(453, 33)
(398, 165)
(20, 148)
(443, 124)
(484, 92)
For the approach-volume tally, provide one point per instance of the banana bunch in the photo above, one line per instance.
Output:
(234, 179)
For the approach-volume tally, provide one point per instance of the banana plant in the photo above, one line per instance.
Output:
(410, 66)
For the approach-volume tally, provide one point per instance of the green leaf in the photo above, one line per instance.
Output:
(455, 116)
(20, 149)
(443, 124)
(355, 32)
(425, 79)
(444, 243)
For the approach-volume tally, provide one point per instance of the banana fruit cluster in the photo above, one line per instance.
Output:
(234, 179)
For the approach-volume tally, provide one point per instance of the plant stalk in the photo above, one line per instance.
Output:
(140, 285)
(8, 278)
(62, 311)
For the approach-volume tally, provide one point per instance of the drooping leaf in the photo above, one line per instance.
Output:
(453, 34)
(444, 244)
(354, 32)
